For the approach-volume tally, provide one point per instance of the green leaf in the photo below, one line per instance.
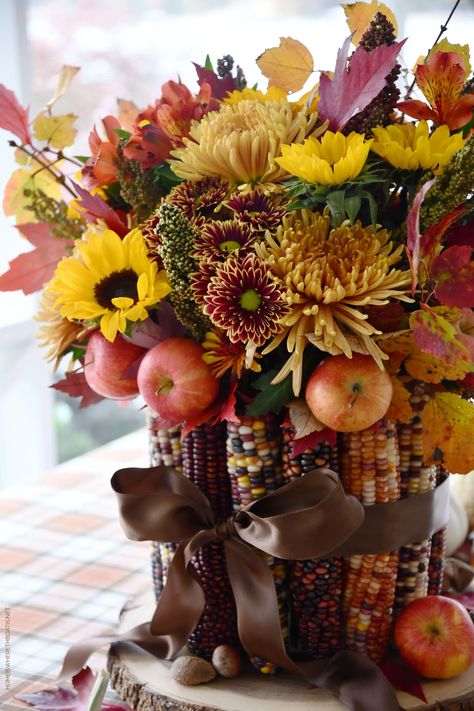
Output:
(82, 159)
(373, 207)
(352, 207)
(271, 398)
(208, 63)
(121, 133)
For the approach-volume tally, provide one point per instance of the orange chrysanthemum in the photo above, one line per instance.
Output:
(56, 333)
(222, 355)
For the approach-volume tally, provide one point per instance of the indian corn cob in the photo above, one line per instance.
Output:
(254, 466)
(369, 469)
(315, 586)
(415, 478)
(438, 548)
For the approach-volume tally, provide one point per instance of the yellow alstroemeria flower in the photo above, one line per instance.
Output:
(331, 160)
(111, 279)
(411, 147)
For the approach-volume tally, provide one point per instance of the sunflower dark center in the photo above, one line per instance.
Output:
(122, 283)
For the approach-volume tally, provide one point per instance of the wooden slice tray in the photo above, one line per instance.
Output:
(145, 683)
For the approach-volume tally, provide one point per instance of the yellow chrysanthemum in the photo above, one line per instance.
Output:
(111, 279)
(56, 333)
(241, 141)
(410, 147)
(329, 276)
(331, 160)
(272, 94)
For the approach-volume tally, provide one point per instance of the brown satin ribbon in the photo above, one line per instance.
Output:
(311, 517)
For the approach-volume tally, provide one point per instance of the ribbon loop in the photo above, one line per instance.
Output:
(225, 529)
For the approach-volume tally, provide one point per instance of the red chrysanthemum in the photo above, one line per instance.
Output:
(217, 240)
(245, 300)
(261, 212)
(201, 199)
(200, 280)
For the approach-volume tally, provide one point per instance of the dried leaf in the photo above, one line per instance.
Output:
(448, 425)
(57, 131)
(400, 408)
(302, 419)
(75, 385)
(287, 66)
(349, 92)
(453, 271)
(31, 270)
(33, 178)
(66, 76)
(13, 117)
(403, 678)
(360, 14)
(93, 207)
(127, 113)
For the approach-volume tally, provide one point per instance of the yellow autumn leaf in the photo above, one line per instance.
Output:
(15, 202)
(360, 14)
(445, 45)
(448, 426)
(57, 131)
(66, 75)
(400, 408)
(287, 66)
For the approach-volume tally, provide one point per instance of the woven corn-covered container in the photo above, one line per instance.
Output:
(325, 605)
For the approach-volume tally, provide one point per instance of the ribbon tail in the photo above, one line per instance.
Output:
(356, 681)
(180, 605)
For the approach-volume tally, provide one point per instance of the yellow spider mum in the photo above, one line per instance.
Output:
(272, 94)
(329, 276)
(410, 147)
(110, 279)
(56, 333)
(241, 141)
(331, 160)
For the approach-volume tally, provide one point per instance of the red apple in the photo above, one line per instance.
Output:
(435, 636)
(349, 394)
(106, 364)
(174, 380)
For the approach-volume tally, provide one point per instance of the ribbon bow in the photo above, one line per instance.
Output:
(311, 517)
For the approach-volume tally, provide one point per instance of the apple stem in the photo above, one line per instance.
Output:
(165, 386)
(356, 390)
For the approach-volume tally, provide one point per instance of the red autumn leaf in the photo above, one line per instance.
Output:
(414, 235)
(352, 89)
(75, 385)
(435, 334)
(94, 207)
(403, 678)
(13, 117)
(460, 233)
(453, 271)
(298, 446)
(219, 87)
(30, 270)
(66, 700)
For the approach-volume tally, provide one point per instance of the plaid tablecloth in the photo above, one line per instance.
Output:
(66, 568)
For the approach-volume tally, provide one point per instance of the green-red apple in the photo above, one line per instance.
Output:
(435, 636)
(107, 364)
(349, 394)
(174, 380)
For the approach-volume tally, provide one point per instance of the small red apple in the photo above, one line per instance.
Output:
(349, 394)
(106, 364)
(174, 380)
(435, 636)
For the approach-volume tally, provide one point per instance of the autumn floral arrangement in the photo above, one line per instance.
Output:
(237, 254)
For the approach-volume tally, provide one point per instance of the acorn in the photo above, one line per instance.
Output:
(226, 660)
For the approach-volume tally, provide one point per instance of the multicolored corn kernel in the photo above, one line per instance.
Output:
(165, 450)
(315, 586)
(254, 466)
(204, 462)
(438, 548)
(369, 469)
(415, 478)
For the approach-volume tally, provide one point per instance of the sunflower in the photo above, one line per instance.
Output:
(241, 141)
(329, 277)
(332, 160)
(411, 147)
(111, 280)
(245, 300)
